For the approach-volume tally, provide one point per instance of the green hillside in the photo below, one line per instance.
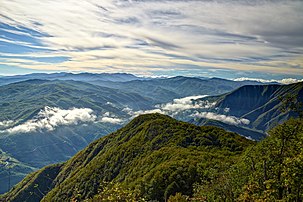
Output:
(12, 171)
(154, 155)
(22, 101)
(271, 170)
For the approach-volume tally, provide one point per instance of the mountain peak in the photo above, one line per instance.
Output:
(137, 155)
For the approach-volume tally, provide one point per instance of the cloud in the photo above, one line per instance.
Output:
(137, 113)
(185, 103)
(175, 107)
(110, 118)
(282, 81)
(138, 36)
(220, 117)
(51, 117)
(5, 124)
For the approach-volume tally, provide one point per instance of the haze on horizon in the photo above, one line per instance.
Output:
(228, 39)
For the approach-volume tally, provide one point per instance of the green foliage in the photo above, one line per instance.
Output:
(12, 171)
(154, 157)
(115, 192)
(158, 158)
(278, 165)
(291, 102)
(178, 198)
(34, 186)
(269, 171)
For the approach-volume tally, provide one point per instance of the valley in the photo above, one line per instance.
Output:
(48, 121)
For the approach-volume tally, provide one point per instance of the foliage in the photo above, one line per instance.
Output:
(178, 198)
(292, 102)
(154, 156)
(272, 170)
(34, 186)
(115, 192)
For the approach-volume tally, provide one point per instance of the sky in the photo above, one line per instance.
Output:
(227, 39)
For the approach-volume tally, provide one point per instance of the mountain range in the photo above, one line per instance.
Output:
(157, 158)
(152, 154)
(260, 104)
(48, 118)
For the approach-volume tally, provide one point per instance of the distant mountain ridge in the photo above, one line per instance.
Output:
(115, 77)
(260, 104)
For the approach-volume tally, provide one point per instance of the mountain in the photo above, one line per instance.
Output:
(45, 122)
(12, 171)
(154, 155)
(33, 127)
(115, 77)
(260, 104)
(166, 89)
(155, 158)
(160, 90)
(270, 170)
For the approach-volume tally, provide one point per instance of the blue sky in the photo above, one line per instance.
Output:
(229, 39)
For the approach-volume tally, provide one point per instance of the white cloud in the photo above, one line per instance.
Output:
(282, 81)
(185, 103)
(51, 117)
(137, 113)
(176, 106)
(5, 124)
(220, 117)
(111, 120)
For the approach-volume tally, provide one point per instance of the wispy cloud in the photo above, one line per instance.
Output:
(221, 117)
(51, 117)
(282, 81)
(153, 36)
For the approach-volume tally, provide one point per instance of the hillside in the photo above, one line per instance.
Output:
(12, 171)
(166, 89)
(33, 127)
(271, 170)
(260, 104)
(154, 155)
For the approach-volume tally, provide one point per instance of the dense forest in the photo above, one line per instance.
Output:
(156, 157)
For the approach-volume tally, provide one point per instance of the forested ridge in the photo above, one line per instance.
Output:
(156, 157)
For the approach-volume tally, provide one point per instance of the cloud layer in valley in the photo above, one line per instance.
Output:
(191, 106)
(52, 117)
(150, 37)
(221, 117)
(110, 118)
(176, 106)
